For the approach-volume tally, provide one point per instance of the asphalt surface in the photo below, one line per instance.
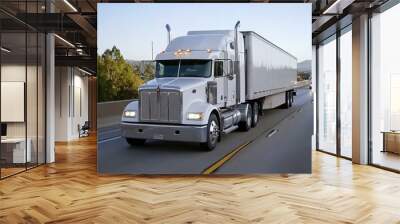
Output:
(281, 143)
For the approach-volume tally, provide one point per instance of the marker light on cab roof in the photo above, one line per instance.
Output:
(181, 52)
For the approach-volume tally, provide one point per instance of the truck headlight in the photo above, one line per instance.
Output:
(130, 113)
(195, 116)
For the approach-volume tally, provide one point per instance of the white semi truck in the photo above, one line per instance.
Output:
(210, 83)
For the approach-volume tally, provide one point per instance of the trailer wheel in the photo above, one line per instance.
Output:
(246, 125)
(288, 99)
(212, 134)
(254, 119)
(292, 94)
(134, 141)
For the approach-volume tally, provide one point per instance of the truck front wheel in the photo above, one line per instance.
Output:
(134, 141)
(212, 133)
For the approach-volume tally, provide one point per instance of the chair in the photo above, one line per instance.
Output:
(84, 130)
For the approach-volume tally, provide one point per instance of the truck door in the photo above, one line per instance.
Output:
(220, 80)
(230, 83)
(226, 82)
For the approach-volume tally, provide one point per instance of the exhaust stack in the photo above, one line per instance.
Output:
(236, 41)
(236, 63)
(169, 32)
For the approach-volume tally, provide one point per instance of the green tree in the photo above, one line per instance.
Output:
(117, 80)
(149, 70)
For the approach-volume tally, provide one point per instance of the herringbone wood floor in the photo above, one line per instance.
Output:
(70, 191)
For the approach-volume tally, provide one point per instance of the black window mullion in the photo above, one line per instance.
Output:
(44, 79)
(369, 83)
(316, 96)
(37, 91)
(338, 92)
(73, 91)
(45, 95)
(26, 87)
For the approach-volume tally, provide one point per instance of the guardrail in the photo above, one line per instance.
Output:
(109, 113)
(303, 83)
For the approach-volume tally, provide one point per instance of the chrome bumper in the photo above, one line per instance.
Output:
(182, 133)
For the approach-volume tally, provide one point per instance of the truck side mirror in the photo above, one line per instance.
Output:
(232, 45)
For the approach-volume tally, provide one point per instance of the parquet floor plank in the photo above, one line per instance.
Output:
(71, 191)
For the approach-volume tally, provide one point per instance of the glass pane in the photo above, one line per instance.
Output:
(195, 68)
(346, 94)
(41, 98)
(13, 86)
(385, 86)
(31, 98)
(327, 97)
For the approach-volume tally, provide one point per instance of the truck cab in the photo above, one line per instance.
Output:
(196, 79)
(209, 83)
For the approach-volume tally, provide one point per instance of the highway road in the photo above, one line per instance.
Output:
(281, 143)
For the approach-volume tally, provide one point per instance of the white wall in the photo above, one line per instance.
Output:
(62, 82)
(70, 83)
(79, 117)
(16, 73)
(33, 125)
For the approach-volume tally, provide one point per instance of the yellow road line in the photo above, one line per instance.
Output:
(211, 169)
(221, 162)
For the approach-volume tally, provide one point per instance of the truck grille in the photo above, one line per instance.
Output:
(162, 106)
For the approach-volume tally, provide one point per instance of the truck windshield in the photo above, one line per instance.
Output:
(183, 68)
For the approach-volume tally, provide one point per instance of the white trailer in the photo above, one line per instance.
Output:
(210, 83)
(269, 69)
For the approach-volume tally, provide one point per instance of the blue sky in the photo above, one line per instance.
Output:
(132, 27)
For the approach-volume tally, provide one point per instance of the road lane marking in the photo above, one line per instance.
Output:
(108, 139)
(272, 132)
(221, 162)
(215, 166)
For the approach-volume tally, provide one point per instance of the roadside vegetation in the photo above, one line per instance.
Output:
(119, 79)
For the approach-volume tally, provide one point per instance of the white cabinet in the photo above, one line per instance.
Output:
(19, 155)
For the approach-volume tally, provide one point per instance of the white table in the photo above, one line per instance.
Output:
(19, 153)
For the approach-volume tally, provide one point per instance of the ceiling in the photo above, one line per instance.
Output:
(329, 16)
(75, 22)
